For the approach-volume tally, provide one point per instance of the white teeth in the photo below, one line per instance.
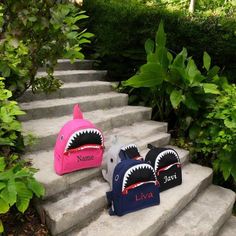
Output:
(134, 168)
(164, 153)
(124, 148)
(83, 131)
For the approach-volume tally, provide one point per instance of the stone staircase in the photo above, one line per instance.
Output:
(75, 203)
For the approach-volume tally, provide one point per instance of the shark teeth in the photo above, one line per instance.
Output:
(164, 153)
(130, 146)
(77, 134)
(134, 168)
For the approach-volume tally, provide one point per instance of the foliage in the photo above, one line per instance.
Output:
(204, 103)
(121, 28)
(223, 7)
(17, 184)
(10, 126)
(36, 34)
(215, 134)
(17, 187)
(177, 81)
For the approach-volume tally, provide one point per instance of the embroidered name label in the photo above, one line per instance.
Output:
(169, 178)
(85, 158)
(143, 196)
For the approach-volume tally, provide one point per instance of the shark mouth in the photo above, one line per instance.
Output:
(166, 158)
(85, 138)
(132, 151)
(138, 175)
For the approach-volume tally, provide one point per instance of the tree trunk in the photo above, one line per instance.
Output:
(192, 6)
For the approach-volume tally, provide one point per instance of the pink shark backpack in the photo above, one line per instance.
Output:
(79, 145)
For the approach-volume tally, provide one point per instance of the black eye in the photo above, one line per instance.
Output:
(117, 177)
(111, 160)
(62, 137)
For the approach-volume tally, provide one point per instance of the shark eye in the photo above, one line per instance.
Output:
(62, 137)
(116, 177)
(149, 162)
(111, 160)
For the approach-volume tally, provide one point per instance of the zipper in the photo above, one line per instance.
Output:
(133, 186)
(87, 146)
(138, 158)
(168, 167)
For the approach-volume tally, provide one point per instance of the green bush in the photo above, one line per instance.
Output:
(204, 104)
(35, 33)
(121, 28)
(177, 85)
(17, 184)
(17, 187)
(10, 128)
(215, 134)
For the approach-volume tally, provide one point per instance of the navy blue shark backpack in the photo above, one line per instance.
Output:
(167, 166)
(134, 187)
(118, 152)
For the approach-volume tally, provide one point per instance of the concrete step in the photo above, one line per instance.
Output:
(70, 90)
(229, 228)
(64, 106)
(204, 215)
(150, 220)
(43, 160)
(77, 207)
(69, 76)
(47, 129)
(65, 64)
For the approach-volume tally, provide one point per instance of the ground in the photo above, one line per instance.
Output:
(17, 224)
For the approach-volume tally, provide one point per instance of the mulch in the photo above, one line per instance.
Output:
(27, 224)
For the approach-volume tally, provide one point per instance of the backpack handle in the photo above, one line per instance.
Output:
(77, 113)
(150, 146)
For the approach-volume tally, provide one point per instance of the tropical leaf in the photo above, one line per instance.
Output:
(190, 102)
(176, 98)
(151, 75)
(1, 227)
(9, 193)
(149, 46)
(161, 36)
(2, 164)
(23, 196)
(36, 187)
(4, 206)
(206, 61)
(210, 88)
(180, 59)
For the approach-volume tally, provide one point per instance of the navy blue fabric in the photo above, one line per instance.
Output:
(123, 155)
(140, 197)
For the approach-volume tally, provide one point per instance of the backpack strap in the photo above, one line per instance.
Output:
(110, 203)
(77, 113)
(123, 155)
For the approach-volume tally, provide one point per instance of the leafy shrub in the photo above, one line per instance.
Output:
(204, 103)
(223, 7)
(10, 127)
(179, 85)
(121, 28)
(17, 187)
(17, 184)
(215, 134)
(36, 34)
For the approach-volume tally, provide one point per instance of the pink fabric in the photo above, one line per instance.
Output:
(87, 158)
(77, 114)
